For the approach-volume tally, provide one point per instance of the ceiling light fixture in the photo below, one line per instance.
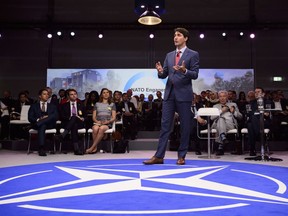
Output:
(224, 36)
(149, 17)
(252, 35)
(72, 35)
(100, 35)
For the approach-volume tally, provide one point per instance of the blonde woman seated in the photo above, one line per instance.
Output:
(104, 114)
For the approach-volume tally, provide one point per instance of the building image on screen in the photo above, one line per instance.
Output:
(145, 81)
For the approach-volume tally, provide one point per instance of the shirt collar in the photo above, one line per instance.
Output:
(182, 50)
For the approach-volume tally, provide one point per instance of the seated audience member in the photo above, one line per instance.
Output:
(212, 99)
(250, 96)
(42, 115)
(117, 98)
(140, 111)
(281, 95)
(281, 115)
(17, 106)
(65, 99)
(17, 130)
(129, 119)
(86, 96)
(204, 96)
(132, 98)
(159, 103)
(229, 114)
(62, 95)
(29, 98)
(253, 120)
(104, 115)
(232, 96)
(92, 99)
(50, 99)
(150, 111)
(72, 116)
(241, 103)
(196, 119)
(5, 109)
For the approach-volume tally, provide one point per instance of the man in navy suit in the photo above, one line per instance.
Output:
(181, 66)
(253, 119)
(72, 116)
(128, 114)
(42, 115)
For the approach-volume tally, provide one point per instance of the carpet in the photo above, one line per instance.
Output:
(127, 187)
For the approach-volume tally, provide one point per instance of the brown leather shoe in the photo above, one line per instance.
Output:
(153, 160)
(181, 161)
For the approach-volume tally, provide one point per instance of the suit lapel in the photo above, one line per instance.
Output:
(183, 56)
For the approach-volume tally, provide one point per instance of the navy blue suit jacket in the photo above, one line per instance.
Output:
(182, 81)
(35, 113)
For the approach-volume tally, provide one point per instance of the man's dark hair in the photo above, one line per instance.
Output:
(42, 90)
(183, 31)
(61, 90)
(260, 88)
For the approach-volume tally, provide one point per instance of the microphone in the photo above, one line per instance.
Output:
(260, 103)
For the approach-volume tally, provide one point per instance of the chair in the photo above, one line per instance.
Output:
(208, 112)
(109, 131)
(23, 118)
(205, 133)
(244, 132)
(47, 131)
(80, 131)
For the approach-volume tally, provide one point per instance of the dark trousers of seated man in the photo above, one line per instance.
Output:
(4, 120)
(276, 128)
(130, 127)
(253, 127)
(72, 126)
(41, 127)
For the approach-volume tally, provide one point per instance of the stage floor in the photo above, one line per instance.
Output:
(119, 184)
(14, 158)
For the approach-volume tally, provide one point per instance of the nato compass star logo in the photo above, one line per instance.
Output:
(126, 187)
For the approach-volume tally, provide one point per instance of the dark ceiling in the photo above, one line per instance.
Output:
(115, 14)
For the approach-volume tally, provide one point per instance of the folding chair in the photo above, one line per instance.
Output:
(81, 131)
(23, 118)
(244, 133)
(109, 131)
(47, 131)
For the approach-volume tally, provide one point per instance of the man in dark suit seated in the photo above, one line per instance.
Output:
(129, 122)
(278, 116)
(42, 115)
(253, 119)
(18, 131)
(72, 116)
(150, 111)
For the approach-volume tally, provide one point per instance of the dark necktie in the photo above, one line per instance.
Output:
(73, 109)
(177, 57)
(43, 107)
